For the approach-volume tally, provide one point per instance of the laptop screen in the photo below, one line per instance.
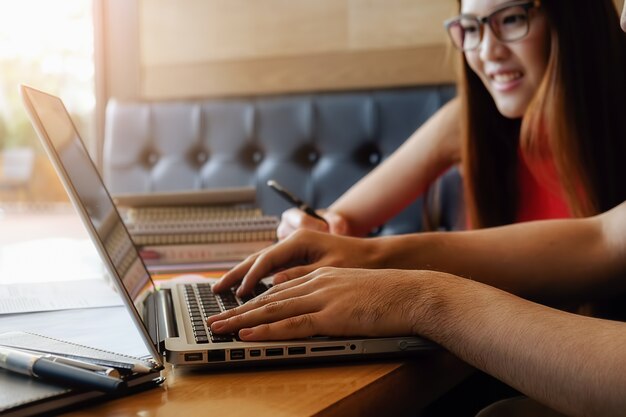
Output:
(90, 196)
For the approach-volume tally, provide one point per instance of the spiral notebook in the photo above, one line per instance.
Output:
(200, 226)
(21, 395)
(184, 225)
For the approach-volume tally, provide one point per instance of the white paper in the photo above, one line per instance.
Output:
(109, 328)
(49, 260)
(64, 295)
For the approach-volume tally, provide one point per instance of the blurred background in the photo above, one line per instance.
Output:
(48, 44)
(89, 51)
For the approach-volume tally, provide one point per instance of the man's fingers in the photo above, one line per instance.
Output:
(234, 275)
(276, 293)
(297, 327)
(267, 313)
(253, 269)
(293, 273)
(274, 258)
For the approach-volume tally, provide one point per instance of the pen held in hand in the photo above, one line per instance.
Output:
(294, 200)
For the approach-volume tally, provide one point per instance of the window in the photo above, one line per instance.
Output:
(49, 45)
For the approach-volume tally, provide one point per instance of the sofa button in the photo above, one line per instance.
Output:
(202, 157)
(152, 158)
(313, 156)
(374, 158)
(257, 157)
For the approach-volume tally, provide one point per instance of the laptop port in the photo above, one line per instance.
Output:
(327, 348)
(237, 354)
(255, 353)
(274, 352)
(218, 355)
(193, 357)
(296, 350)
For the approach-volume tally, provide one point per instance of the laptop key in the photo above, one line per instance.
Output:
(221, 338)
(260, 288)
(246, 298)
(208, 298)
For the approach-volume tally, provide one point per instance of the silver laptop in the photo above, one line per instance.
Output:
(171, 316)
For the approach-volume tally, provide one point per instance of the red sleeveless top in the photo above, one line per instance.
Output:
(541, 195)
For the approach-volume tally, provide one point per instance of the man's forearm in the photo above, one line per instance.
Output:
(561, 259)
(571, 363)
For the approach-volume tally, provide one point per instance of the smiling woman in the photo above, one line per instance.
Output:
(531, 142)
(49, 45)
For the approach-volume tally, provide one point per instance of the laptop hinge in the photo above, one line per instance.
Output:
(165, 312)
(159, 314)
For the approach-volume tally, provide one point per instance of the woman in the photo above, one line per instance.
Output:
(532, 146)
(534, 74)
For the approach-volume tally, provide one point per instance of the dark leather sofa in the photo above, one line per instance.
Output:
(316, 145)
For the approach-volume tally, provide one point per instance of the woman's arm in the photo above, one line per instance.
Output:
(405, 175)
(394, 184)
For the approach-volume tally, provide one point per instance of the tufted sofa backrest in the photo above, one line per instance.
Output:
(316, 145)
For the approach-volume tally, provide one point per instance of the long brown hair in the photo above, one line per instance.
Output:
(580, 106)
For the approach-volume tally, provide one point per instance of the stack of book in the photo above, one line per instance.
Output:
(207, 226)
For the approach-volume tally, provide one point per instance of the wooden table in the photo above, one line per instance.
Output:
(373, 388)
(383, 388)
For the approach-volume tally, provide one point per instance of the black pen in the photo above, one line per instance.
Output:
(63, 374)
(294, 200)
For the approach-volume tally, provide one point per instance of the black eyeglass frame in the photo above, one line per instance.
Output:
(527, 5)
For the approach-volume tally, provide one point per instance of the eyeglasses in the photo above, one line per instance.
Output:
(509, 23)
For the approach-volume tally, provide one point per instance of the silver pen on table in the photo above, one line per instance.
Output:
(40, 367)
(105, 370)
(104, 366)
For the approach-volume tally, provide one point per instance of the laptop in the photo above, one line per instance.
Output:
(171, 316)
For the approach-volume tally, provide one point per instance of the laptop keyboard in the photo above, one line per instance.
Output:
(202, 303)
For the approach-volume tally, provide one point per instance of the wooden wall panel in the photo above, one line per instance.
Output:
(191, 31)
(398, 23)
(232, 47)
(160, 49)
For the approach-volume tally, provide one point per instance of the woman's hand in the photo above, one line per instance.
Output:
(331, 302)
(295, 219)
(296, 256)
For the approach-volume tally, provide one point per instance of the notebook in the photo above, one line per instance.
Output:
(187, 221)
(183, 229)
(171, 317)
(187, 233)
(21, 395)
